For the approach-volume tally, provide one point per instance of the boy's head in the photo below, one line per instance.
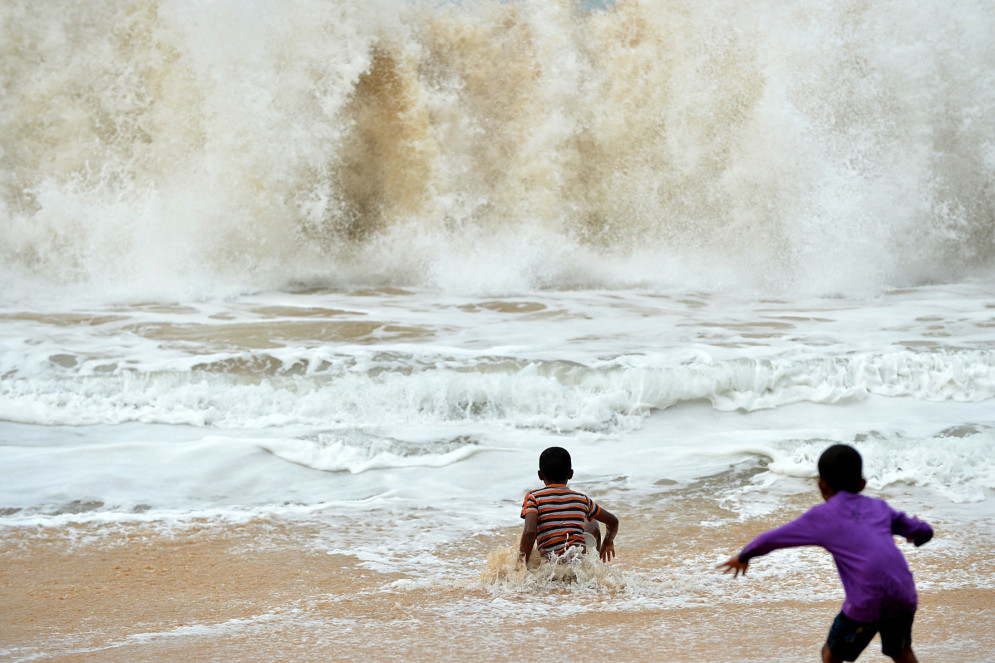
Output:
(841, 468)
(554, 465)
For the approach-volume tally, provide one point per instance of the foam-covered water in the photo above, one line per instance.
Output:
(326, 259)
(323, 397)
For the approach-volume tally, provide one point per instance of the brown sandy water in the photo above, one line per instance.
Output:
(210, 591)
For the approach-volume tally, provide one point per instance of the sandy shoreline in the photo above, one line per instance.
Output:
(254, 592)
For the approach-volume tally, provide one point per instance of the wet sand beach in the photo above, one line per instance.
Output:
(260, 591)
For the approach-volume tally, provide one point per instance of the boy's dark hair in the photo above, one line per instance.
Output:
(554, 463)
(841, 467)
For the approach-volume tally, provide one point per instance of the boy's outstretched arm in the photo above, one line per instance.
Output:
(607, 549)
(528, 535)
(735, 565)
(799, 532)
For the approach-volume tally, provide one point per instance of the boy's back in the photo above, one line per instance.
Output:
(562, 513)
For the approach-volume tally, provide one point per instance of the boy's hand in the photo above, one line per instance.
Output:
(607, 550)
(733, 564)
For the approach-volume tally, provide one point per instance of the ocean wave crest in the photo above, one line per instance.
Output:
(556, 395)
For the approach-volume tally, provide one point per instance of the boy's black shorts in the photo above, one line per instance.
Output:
(848, 637)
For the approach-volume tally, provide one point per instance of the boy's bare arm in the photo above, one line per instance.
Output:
(528, 535)
(607, 549)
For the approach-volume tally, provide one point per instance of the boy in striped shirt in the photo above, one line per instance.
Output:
(556, 517)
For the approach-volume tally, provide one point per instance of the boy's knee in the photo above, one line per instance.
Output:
(827, 656)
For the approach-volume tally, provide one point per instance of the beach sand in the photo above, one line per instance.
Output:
(258, 591)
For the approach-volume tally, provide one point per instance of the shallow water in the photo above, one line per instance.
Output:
(245, 412)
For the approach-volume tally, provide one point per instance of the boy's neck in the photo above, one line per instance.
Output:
(547, 482)
(828, 493)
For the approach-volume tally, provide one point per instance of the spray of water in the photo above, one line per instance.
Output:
(178, 147)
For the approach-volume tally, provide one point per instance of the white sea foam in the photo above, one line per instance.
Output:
(953, 462)
(545, 394)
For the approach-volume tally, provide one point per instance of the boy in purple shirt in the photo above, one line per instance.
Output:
(859, 533)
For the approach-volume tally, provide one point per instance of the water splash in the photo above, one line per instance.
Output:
(505, 573)
(167, 147)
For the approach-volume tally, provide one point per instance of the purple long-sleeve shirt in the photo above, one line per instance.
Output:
(859, 532)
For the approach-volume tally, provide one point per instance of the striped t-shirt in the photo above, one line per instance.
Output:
(562, 513)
